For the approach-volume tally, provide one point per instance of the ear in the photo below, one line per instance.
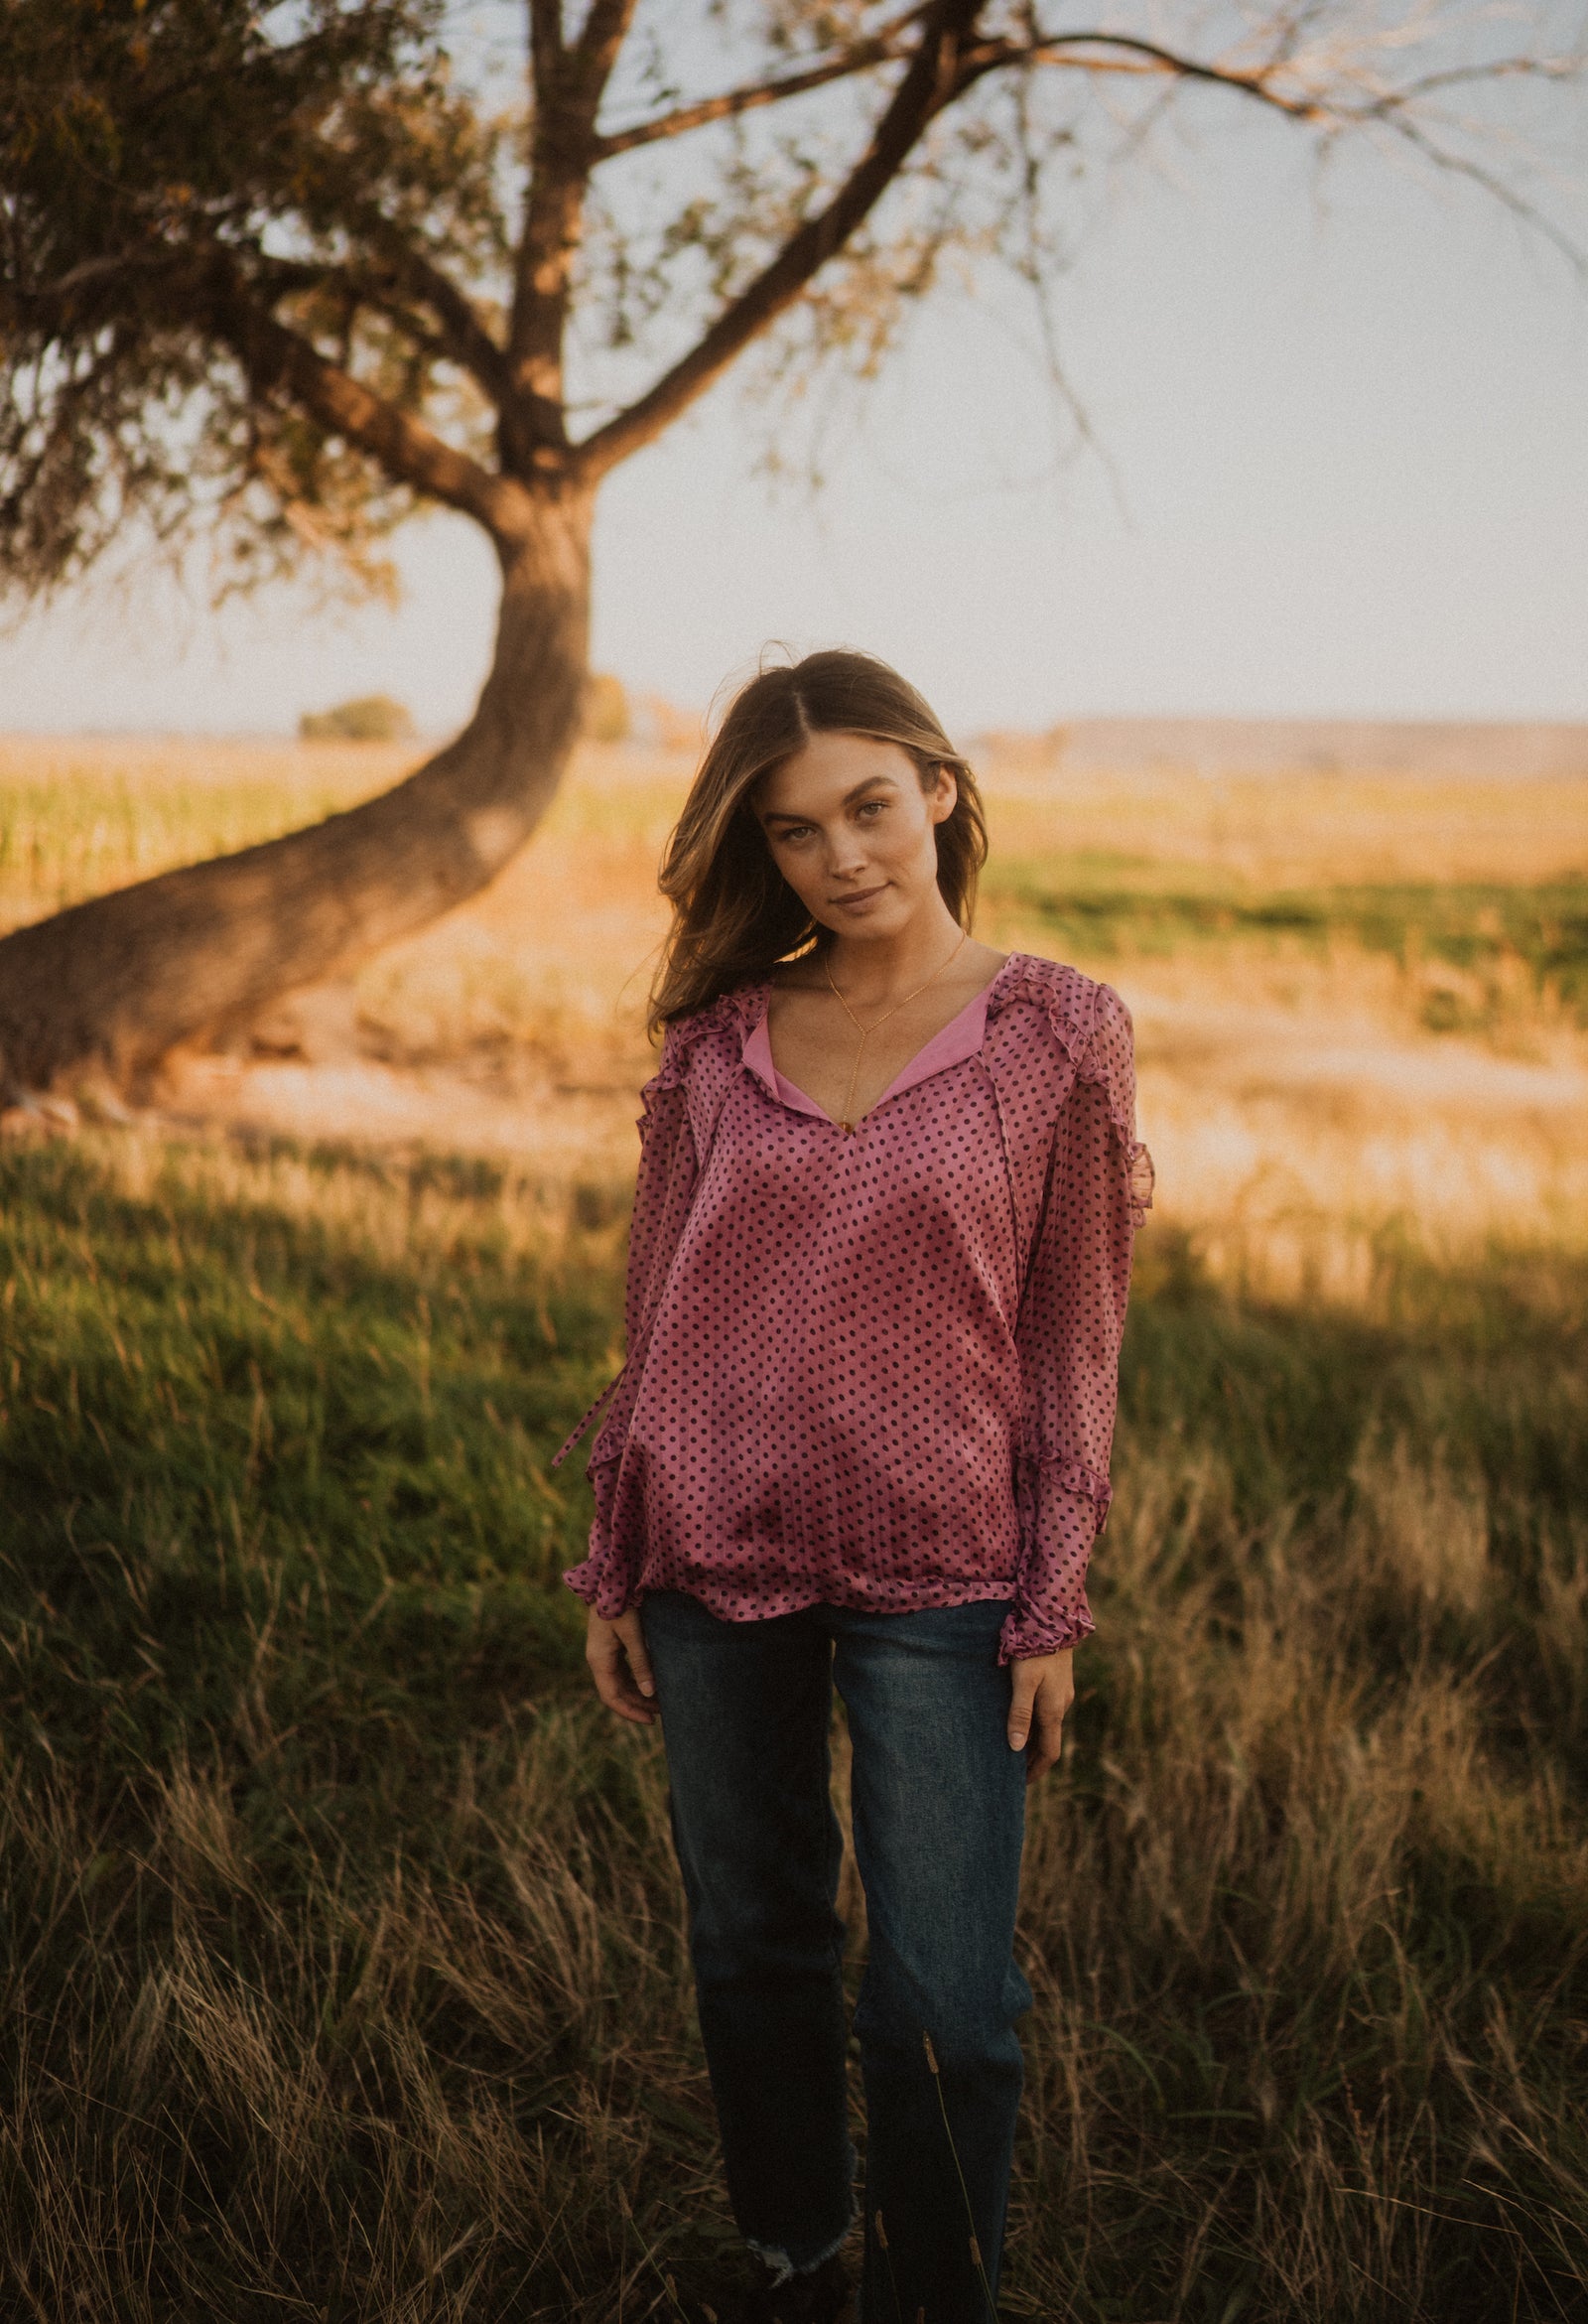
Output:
(945, 798)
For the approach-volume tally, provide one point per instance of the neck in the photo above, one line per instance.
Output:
(872, 970)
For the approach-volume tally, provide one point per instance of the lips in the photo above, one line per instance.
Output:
(863, 896)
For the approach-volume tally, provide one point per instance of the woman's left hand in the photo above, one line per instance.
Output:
(1044, 1689)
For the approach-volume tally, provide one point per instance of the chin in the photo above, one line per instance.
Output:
(886, 917)
(889, 916)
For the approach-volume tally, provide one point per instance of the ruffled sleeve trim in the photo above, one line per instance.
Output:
(1025, 1637)
(736, 1014)
(1066, 997)
(1073, 1477)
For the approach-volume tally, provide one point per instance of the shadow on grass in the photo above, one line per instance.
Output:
(343, 1948)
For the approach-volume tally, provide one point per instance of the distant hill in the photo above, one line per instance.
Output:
(1483, 751)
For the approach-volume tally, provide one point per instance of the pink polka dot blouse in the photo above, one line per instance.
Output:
(877, 1370)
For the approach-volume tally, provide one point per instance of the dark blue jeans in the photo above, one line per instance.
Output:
(938, 1801)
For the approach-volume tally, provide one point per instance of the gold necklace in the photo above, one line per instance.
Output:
(865, 1030)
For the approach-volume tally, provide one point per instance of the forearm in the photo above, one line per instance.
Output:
(1071, 1326)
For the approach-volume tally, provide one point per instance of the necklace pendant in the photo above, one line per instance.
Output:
(848, 1128)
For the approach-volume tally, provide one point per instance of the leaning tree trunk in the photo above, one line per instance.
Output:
(108, 987)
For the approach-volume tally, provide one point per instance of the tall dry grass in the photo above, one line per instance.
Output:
(345, 1969)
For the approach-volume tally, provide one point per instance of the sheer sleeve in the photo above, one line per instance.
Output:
(1072, 1317)
(663, 1193)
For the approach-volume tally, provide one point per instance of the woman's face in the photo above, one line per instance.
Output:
(853, 833)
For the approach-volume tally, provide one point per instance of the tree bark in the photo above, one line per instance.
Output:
(109, 987)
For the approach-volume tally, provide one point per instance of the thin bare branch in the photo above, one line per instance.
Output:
(883, 47)
(934, 76)
(1126, 54)
(1569, 68)
(1505, 69)
(1389, 108)
(1459, 165)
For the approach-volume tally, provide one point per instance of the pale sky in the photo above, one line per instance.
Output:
(1343, 469)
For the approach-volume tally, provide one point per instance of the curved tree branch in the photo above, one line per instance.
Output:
(275, 356)
(935, 76)
(946, 61)
(374, 287)
(1138, 56)
(468, 340)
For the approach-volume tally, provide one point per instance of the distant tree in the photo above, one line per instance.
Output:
(283, 274)
(372, 717)
(606, 715)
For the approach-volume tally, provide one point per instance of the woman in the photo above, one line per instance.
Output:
(877, 1277)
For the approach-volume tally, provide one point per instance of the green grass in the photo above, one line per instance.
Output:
(1100, 905)
(342, 1949)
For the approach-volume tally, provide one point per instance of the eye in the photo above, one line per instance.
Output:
(872, 807)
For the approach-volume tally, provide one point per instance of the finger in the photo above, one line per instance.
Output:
(1021, 1697)
(620, 1694)
(1047, 1743)
(639, 1661)
(610, 1670)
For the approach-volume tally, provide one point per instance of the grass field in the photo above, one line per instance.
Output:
(343, 1948)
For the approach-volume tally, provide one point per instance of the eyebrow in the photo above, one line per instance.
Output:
(782, 814)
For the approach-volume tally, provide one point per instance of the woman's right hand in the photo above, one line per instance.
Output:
(620, 1667)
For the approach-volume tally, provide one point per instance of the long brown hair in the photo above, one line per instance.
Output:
(735, 915)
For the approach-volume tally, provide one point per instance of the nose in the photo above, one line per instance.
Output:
(846, 858)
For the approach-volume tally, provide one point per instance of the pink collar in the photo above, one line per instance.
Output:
(959, 1038)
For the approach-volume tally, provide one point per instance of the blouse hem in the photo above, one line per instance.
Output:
(593, 1587)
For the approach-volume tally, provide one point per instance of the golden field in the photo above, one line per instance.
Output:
(1305, 1091)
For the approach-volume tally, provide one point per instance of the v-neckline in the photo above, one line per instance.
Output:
(951, 1044)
